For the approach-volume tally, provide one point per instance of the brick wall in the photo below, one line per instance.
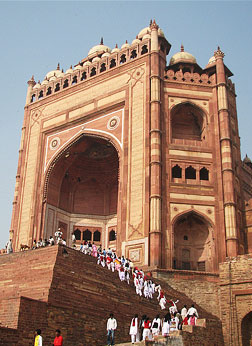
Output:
(202, 288)
(236, 298)
(71, 292)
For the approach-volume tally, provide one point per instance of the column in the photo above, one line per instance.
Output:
(155, 152)
(226, 158)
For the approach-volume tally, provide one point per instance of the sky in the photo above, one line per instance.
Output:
(36, 35)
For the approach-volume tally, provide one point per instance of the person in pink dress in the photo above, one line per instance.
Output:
(94, 250)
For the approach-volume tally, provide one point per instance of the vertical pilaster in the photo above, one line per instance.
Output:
(14, 218)
(155, 153)
(226, 158)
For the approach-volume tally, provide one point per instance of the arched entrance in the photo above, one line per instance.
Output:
(246, 329)
(82, 189)
(193, 243)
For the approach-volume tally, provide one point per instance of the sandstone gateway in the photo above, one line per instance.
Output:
(143, 156)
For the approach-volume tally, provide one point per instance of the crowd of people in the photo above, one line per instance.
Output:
(146, 329)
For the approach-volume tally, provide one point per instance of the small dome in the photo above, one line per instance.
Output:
(100, 48)
(52, 78)
(78, 67)
(144, 31)
(105, 55)
(96, 59)
(146, 37)
(45, 81)
(37, 86)
(136, 41)
(56, 73)
(147, 30)
(87, 63)
(246, 160)
(160, 32)
(125, 45)
(182, 56)
(116, 49)
(211, 60)
(70, 70)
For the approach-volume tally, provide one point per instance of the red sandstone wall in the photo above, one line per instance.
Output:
(202, 288)
(235, 296)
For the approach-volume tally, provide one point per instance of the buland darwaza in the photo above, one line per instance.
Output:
(138, 155)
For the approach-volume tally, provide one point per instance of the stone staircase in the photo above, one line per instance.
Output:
(58, 287)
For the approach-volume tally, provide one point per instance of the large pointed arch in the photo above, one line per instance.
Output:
(193, 242)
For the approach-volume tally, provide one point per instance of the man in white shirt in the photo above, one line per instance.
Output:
(184, 312)
(111, 327)
(9, 247)
(192, 311)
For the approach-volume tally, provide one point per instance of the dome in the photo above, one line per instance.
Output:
(96, 59)
(37, 86)
(70, 70)
(116, 49)
(57, 73)
(147, 30)
(135, 41)
(146, 36)
(211, 60)
(87, 63)
(45, 81)
(125, 45)
(182, 56)
(100, 48)
(78, 67)
(105, 55)
(144, 31)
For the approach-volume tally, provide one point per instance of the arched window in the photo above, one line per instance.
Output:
(103, 67)
(87, 235)
(123, 59)
(77, 234)
(204, 174)
(93, 72)
(187, 122)
(176, 172)
(49, 91)
(190, 173)
(112, 63)
(74, 81)
(112, 235)
(144, 50)
(133, 54)
(57, 87)
(33, 98)
(65, 85)
(97, 236)
(84, 76)
(40, 94)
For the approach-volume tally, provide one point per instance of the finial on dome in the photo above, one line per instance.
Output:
(126, 41)
(31, 81)
(136, 37)
(182, 48)
(154, 25)
(58, 66)
(150, 22)
(62, 70)
(219, 53)
(71, 67)
(101, 41)
(116, 46)
(39, 82)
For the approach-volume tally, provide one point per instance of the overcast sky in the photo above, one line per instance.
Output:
(35, 36)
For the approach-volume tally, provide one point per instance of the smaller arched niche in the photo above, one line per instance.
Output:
(246, 329)
(193, 243)
(187, 122)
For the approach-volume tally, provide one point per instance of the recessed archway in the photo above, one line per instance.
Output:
(83, 183)
(246, 329)
(187, 122)
(193, 243)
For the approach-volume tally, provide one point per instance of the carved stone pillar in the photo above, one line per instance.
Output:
(226, 158)
(155, 153)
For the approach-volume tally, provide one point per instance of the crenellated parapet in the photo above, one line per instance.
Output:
(90, 67)
(188, 77)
